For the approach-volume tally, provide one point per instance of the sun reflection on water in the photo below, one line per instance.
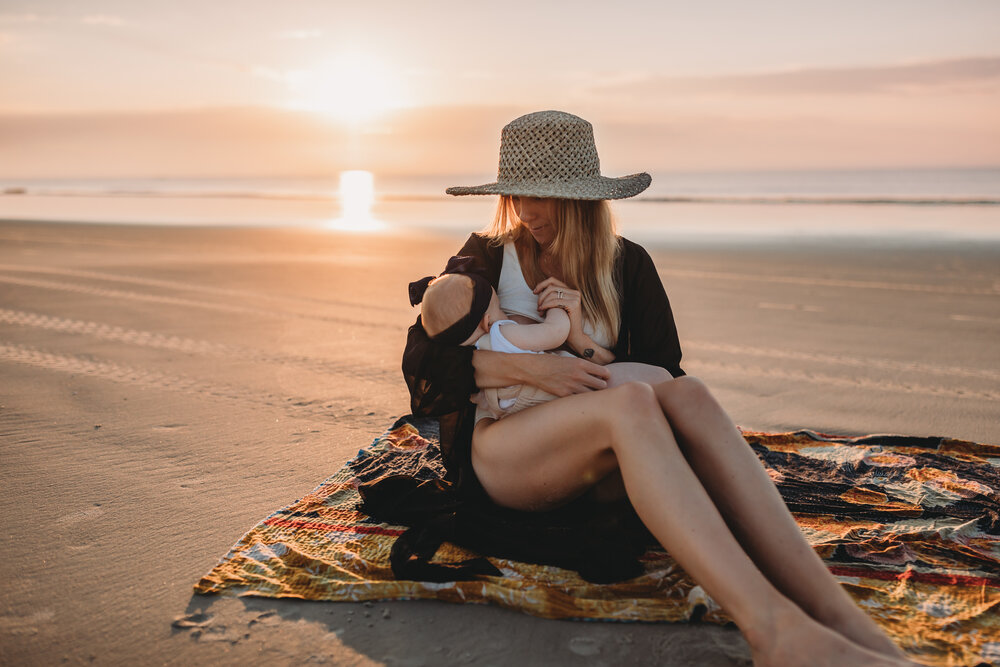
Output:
(357, 195)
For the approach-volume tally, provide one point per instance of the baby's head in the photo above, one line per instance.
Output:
(459, 308)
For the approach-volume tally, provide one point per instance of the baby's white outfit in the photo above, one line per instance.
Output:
(498, 402)
(516, 298)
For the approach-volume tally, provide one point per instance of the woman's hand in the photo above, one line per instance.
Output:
(566, 375)
(557, 375)
(553, 293)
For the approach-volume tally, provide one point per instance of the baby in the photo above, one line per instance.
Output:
(463, 309)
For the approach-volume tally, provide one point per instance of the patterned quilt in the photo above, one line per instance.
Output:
(910, 527)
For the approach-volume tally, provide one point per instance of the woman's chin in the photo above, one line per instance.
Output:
(541, 235)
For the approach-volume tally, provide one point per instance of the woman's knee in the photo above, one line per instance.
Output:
(632, 406)
(686, 391)
(633, 396)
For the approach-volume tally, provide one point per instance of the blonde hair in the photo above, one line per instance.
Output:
(585, 246)
(447, 299)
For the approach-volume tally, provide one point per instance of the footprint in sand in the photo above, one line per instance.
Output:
(201, 628)
(82, 515)
(265, 618)
(197, 620)
(584, 646)
(25, 625)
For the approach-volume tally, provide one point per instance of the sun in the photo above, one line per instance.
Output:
(356, 195)
(351, 88)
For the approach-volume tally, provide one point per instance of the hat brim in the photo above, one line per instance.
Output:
(596, 187)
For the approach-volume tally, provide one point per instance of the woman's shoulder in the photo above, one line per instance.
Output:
(633, 254)
(482, 247)
(480, 244)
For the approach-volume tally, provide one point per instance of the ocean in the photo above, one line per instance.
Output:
(902, 205)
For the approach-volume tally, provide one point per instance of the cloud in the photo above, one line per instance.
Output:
(283, 77)
(299, 34)
(966, 73)
(23, 18)
(90, 19)
(464, 140)
(103, 19)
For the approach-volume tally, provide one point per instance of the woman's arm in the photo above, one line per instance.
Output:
(649, 334)
(588, 348)
(557, 375)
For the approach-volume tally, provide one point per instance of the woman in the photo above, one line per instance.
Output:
(662, 439)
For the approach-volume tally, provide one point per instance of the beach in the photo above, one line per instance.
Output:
(165, 388)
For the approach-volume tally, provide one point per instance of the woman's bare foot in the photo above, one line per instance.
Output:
(862, 630)
(795, 639)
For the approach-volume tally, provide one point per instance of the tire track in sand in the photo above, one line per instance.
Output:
(189, 303)
(331, 410)
(190, 287)
(994, 290)
(365, 372)
(750, 370)
(191, 345)
(842, 360)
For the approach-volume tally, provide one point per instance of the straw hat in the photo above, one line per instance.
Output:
(552, 154)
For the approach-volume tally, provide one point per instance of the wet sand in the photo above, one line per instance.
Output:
(165, 389)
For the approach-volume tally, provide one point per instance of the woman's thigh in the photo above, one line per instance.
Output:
(632, 371)
(551, 453)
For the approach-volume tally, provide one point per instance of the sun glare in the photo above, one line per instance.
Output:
(352, 88)
(357, 194)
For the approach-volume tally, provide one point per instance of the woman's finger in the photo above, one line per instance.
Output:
(548, 282)
(558, 299)
(596, 376)
(558, 290)
(563, 376)
(551, 289)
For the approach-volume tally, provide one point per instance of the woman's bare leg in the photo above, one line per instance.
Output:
(752, 507)
(631, 371)
(553, 452)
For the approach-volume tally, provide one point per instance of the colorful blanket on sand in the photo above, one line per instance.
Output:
(910, 527)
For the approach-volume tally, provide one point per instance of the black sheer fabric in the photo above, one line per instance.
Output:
(601, 541)
(440, 380)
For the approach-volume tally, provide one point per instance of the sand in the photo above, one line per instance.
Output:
(164, 389)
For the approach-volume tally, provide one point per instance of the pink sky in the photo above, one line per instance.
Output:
(118, 88)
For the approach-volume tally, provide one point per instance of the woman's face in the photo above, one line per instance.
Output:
(539, 216)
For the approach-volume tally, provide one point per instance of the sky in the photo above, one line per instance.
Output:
(309, 87)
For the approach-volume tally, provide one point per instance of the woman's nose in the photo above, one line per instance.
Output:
(526, 209)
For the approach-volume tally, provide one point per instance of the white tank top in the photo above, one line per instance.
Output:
(516, 297)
